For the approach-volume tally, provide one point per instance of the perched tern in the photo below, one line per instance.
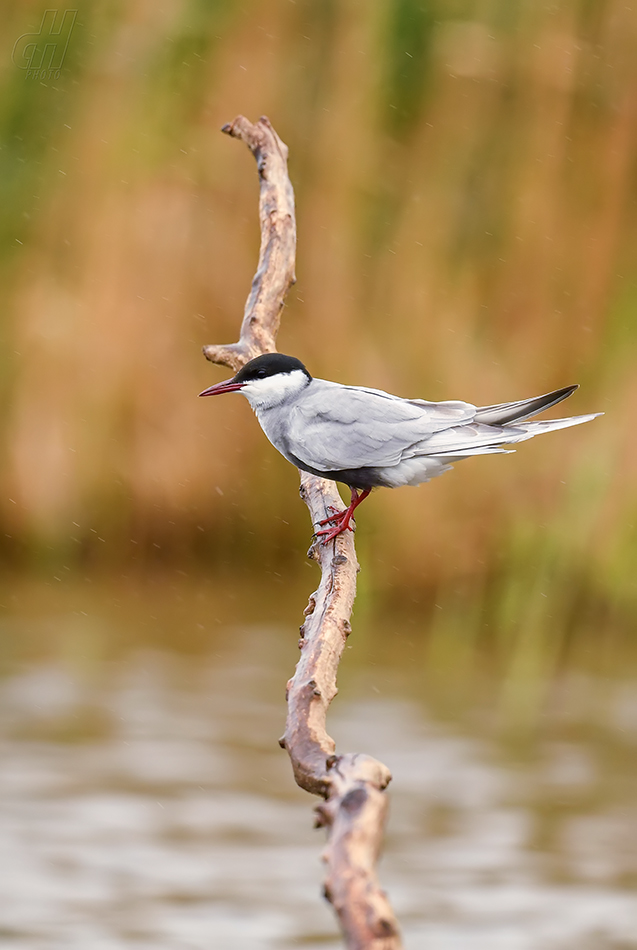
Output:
(367, 438)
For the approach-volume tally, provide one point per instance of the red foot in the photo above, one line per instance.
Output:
(342, 518)
(335, 517)
(342, 524)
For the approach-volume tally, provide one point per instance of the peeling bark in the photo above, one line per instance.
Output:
(352, 785)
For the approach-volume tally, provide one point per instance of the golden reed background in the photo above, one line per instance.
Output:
(465, 184)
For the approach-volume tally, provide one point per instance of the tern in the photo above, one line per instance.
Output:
(367, 438)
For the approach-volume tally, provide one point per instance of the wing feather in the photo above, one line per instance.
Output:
(347, 427)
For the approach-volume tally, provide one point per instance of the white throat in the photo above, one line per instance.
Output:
(274, 390)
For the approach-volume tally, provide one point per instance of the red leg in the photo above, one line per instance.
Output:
(342, 518)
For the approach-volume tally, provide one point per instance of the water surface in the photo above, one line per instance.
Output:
(146, 803)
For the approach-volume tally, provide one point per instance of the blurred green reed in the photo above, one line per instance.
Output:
(466, 229)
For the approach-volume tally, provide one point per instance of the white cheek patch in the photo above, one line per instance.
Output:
(263, 393)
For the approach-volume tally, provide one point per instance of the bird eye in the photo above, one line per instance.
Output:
(261, 374)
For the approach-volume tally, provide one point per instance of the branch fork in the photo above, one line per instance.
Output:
(354, 806)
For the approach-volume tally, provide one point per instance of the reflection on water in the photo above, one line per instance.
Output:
(146, 804)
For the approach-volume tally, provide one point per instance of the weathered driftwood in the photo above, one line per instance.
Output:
(352, 785)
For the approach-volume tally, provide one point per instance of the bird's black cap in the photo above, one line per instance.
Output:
(270, 364)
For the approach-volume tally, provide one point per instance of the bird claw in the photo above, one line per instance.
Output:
(334, 517)
(342, 518)
(331, 534)
(328, 534)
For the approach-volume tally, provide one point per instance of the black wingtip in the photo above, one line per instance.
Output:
(511, 412)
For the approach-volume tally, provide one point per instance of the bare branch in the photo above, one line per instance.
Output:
(352, 785)
(275, 271)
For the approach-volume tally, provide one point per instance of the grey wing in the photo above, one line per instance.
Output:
(347, 427)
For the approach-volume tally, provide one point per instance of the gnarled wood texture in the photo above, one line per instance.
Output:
(352, 785)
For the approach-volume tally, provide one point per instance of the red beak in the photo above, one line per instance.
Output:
(227, 386)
